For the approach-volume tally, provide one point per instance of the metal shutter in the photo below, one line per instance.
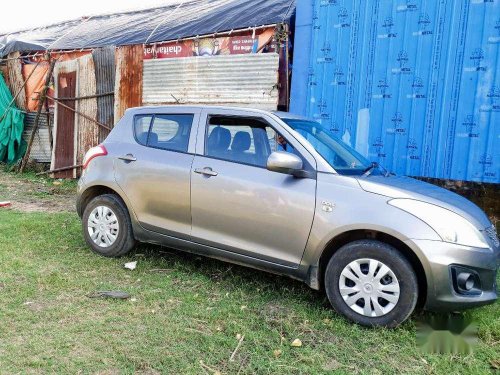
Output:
(40, 150)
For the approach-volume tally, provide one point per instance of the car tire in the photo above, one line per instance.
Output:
(392, 296)
(107, 227)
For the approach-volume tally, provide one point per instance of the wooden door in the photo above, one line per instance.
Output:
(64, 147)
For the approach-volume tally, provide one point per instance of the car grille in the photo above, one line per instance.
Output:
(492, 234)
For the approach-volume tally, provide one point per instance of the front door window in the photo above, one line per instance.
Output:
(243, 140)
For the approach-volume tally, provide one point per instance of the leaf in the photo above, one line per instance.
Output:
(130, 265)
(277, 353)
(296, 343)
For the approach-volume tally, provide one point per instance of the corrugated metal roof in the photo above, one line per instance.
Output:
(230, 80)
(40, 150)
(413, 84)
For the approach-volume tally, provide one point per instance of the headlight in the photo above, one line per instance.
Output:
(450, 226)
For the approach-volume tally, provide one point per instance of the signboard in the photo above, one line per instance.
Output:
(239, 44)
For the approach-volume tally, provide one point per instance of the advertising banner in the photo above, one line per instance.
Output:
(260, 41)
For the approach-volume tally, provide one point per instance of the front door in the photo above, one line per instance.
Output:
(154, 171)
(240, 206)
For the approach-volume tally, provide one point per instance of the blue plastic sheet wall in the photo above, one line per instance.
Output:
(412, 84)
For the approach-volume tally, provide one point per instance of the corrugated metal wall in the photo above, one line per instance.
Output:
(40, 150)
(65, 131)
(242, 80)
(104, 62)
(413, 84)
(74, 134)
(128, 86)
(88, 131)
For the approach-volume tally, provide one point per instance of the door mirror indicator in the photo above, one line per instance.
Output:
(284, 162)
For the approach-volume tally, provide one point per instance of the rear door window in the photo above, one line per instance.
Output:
(167, 132)
(142, 123)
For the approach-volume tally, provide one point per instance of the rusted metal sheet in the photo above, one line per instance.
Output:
(88, 131)
(16, 80)
(63, 154)
(104, 63)
(129, 75)
(240, 80)
(40, 150)
(74, 134)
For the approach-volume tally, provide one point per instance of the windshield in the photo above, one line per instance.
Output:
(340, 156)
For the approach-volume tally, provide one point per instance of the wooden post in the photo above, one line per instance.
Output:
(60, 169)
(49, 126)
(41, 103)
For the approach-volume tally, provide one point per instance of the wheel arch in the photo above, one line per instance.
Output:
(354, 235)
(94, 191)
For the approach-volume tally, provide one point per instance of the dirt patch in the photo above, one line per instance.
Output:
(29, 193)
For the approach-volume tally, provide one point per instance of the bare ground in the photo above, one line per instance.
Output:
(29, 193)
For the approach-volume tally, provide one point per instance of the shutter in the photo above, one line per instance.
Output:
(40, 150)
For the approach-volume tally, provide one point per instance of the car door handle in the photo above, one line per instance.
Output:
(206, 171)
(128, 157)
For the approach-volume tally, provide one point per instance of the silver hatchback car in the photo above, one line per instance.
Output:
(280, 193)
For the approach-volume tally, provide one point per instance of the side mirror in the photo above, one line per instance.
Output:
(284, 162)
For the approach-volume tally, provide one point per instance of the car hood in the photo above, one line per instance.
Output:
(406, 187)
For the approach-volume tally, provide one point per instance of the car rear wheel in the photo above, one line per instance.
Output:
(371, 283)
(106, 226)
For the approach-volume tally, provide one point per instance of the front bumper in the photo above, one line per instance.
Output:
(438, 257)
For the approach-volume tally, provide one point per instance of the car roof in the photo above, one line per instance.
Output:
(280, 114)
(188, 106)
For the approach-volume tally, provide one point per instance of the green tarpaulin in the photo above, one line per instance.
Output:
(12, 146)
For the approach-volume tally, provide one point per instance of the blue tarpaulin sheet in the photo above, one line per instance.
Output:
(177, 21)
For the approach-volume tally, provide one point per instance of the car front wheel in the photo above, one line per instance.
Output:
(371, 283)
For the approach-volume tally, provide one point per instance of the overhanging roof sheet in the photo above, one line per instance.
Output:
(181, 20)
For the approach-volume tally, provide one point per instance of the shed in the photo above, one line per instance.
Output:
(231, 52)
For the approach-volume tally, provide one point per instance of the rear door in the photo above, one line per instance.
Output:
(154, 170)
(240, 206)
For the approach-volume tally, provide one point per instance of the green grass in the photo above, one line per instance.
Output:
(190, 312)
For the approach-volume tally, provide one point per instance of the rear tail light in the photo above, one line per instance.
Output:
(93, 153)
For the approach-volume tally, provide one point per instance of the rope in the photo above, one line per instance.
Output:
(69, 32)
(164, 20)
